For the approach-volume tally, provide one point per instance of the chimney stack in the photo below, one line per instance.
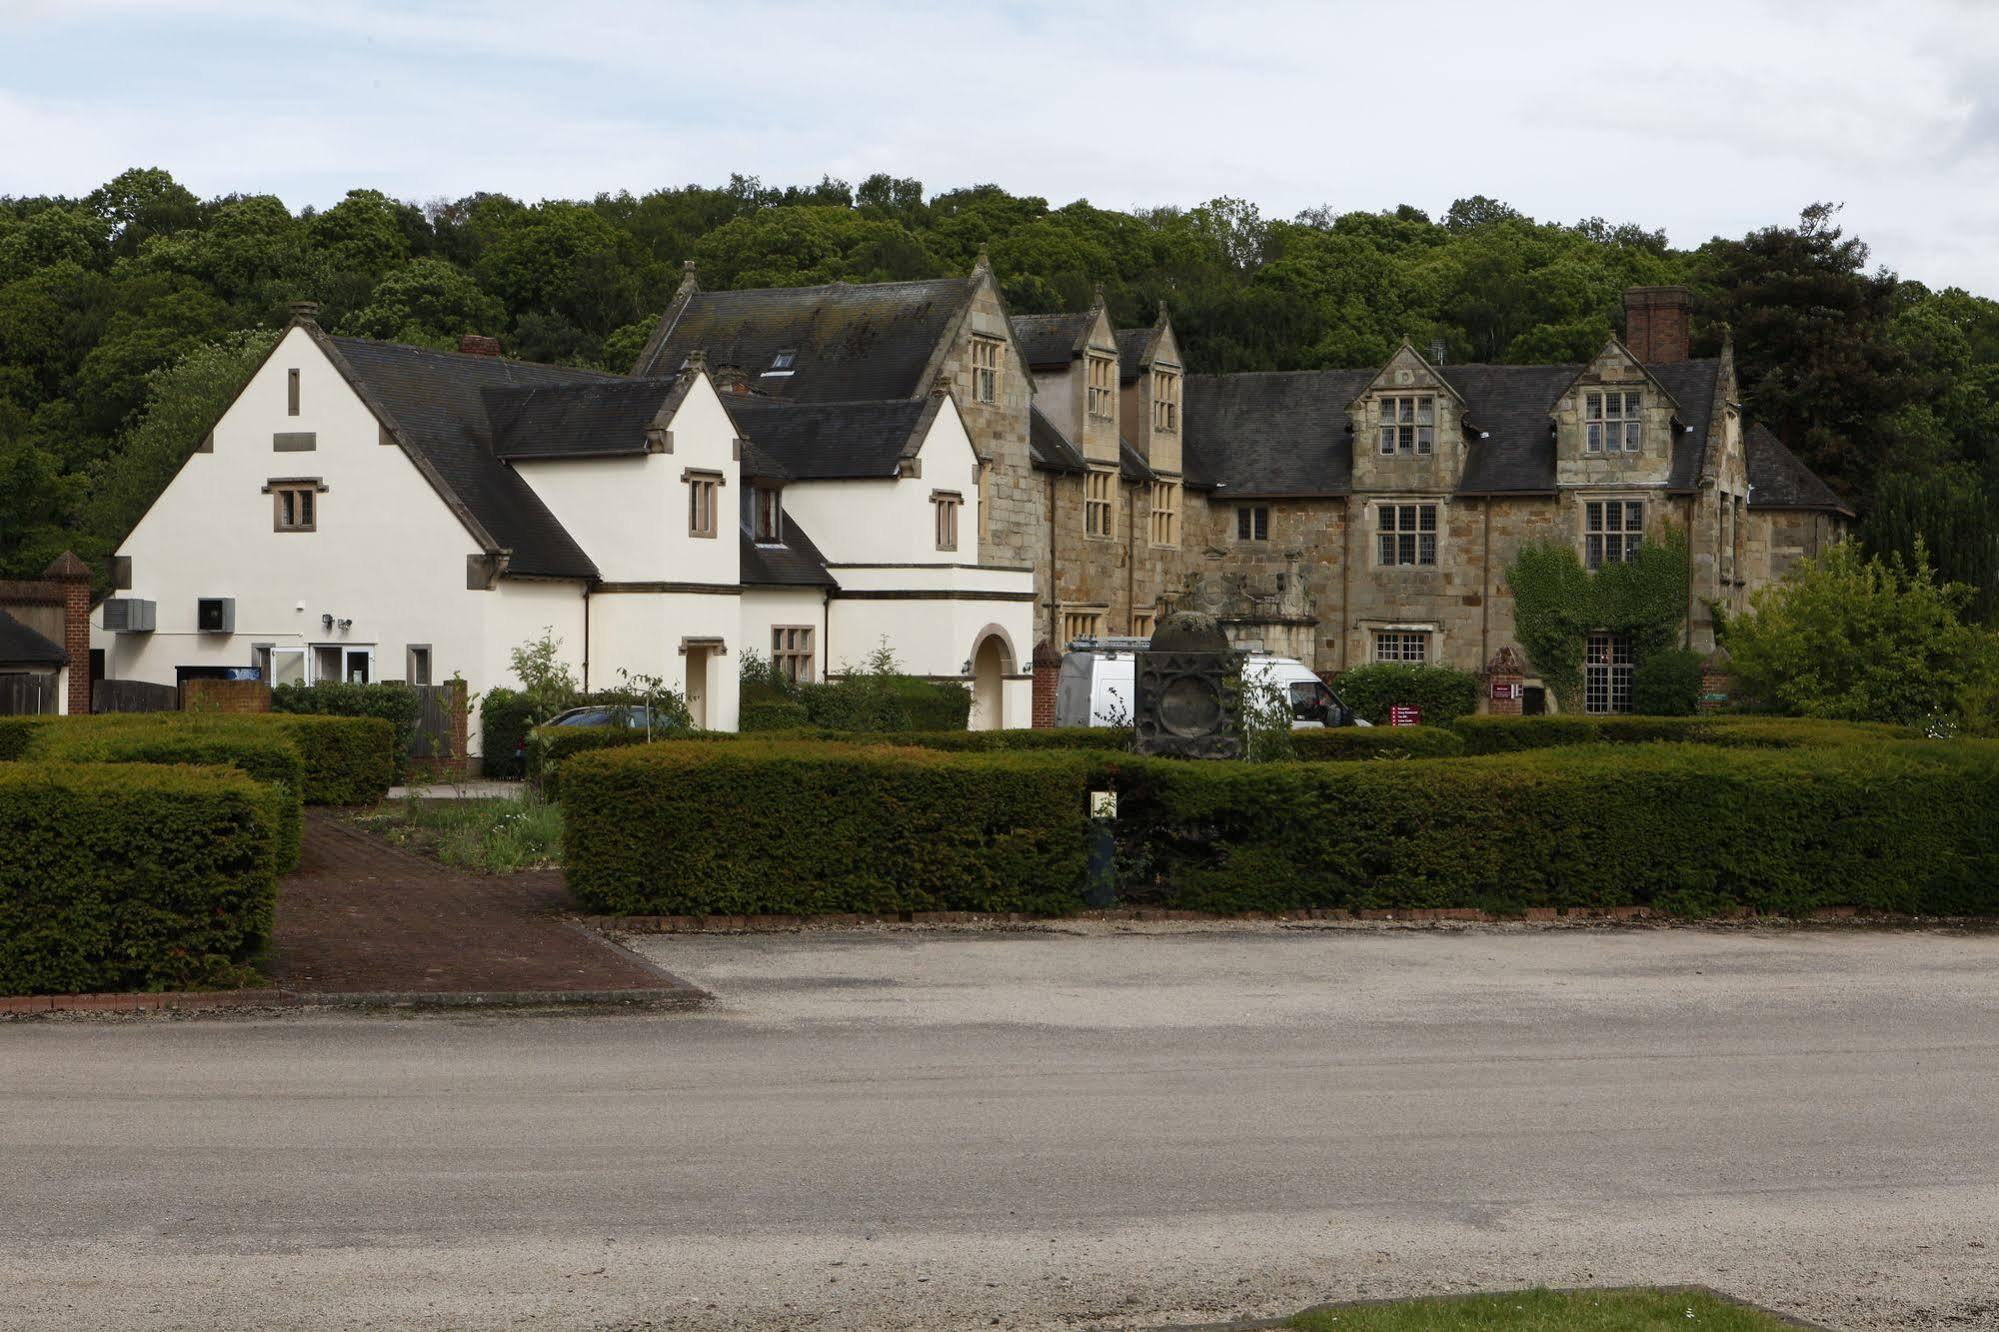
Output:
(478, 344)
(1658, 323)
(731, 379)
(306, 310)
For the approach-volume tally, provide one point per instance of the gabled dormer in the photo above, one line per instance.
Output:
(1408, 428)
(1151, 378)
(1614, 424)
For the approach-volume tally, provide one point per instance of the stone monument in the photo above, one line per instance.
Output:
(1189, 691)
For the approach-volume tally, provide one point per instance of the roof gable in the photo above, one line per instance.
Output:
(1407, 369)
(1779, 478)
(581, 420)
(824, 441)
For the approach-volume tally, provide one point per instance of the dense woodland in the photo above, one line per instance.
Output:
(129, 316)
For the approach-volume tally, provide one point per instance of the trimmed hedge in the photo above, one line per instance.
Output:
(773, 713)
(504, 719)
(174, 738)
(766, 826)
(1505, 735)
(123, 878)
(1334, 743)
(549, 746)
(393, 702)
(348, 760)
(1897, 826)
(16, 733)
(1442, 692)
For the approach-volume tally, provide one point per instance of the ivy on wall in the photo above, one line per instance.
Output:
(1558, 604)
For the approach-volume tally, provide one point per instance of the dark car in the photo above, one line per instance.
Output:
(632, 715)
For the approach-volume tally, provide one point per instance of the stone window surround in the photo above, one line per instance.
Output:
(1100, 493)
(1081, 620)
(791, 651)
(1405, 425)
(1584, 501)
(988, 360)
(306, 491)
(1165, 400)
(704, 495)
(1629, 422)
(1607, 669)
(410, 659)
(767, 515)
(1432, 630)
(945, 505)
(1165, 512)
(1435, 532)
(1100, 393)
(1259, 529)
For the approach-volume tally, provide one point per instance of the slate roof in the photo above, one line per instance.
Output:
(1050, 341)
(848, 342)
(1779, 479)
(1132, 464)
(587, 420)
(22, 646)
(819, 441)
(1278, 432)
(437, 401)
(1048, 448)
(1131, 345)
(796, 563)
(1286, 432)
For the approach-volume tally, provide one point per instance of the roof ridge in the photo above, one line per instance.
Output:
(824, 286)
(350, 340)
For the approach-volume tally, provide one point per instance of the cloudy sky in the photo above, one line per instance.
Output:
(1699, 116)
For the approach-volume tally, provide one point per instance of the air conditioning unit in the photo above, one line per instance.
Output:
(129, 615)
(215, 615)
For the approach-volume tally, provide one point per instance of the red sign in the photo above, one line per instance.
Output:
(1505, 689)
(1401, 716)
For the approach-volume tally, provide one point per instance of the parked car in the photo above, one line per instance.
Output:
(635, 716)
(1097, 686)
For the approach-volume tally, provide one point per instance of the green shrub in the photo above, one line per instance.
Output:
(348, 760)
(132, 878)
(1667, 684)
(1505, 735)
(759, 826)
(762, 712)
(395, 703)
(16, 733)
(505, 716)
(1442, 692)
(1901, 826)
(180, 738)
(1334, 743)
(549, 746)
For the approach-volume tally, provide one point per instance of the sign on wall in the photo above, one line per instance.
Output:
(1398, 715)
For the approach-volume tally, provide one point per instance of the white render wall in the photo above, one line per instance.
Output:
(388, 553)
(937, 630)
(643, 633)
(766, 607)
(890, 521)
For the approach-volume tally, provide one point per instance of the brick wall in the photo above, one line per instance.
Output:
(1047, 671)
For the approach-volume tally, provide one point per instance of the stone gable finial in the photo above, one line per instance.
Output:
(1162, 312)
(305, 312)
(984, 263)
(940, 387)
(688, 282)
(695, 364)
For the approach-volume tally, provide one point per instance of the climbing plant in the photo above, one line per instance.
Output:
(1557, 604)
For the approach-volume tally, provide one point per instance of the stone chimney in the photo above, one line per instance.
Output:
(74, 576)
(478, 344)
(1658, 323)
(731, 379)
(306, 311)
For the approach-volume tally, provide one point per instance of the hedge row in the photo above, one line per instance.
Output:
(257, 749)
(1899, 826)
(395, 703)
(1334, 743)
(1505, 735)
(764, 826)
(549, 746)
(132, 879)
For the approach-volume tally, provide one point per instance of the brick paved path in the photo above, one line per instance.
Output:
(363, 917)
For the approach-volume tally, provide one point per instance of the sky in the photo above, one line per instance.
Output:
(1702, 117)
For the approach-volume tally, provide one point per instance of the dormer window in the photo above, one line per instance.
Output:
(1611, 422)
(1103, 387)
(1408, 425)
(1165, 401)
(783, 363)
(767, 516)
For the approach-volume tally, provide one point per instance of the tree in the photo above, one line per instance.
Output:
(1948, 516)
(427, 302)
(1856, 637)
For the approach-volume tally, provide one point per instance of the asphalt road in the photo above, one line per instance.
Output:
(1039, 1131)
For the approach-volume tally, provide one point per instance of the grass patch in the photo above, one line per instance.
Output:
(1547, 1311)
(492, 836)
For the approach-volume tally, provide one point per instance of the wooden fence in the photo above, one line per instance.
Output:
(25, 695)
(133, 696)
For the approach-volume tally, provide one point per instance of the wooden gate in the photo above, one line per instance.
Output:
(25, 695)
(431, 738)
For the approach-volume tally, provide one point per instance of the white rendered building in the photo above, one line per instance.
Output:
(370, 511)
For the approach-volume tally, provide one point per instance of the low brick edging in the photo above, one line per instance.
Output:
(223, 1000)
(186, 1000)
(1406, 915)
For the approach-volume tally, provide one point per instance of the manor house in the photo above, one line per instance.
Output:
(1341, 516)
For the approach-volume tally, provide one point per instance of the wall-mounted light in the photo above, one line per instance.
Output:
(326, 621)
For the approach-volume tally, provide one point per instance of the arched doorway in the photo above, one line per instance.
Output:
(992, 662)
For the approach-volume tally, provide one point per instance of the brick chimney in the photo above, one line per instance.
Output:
(478, 344)
(731, 379)
(74, 576)
(1658, 323)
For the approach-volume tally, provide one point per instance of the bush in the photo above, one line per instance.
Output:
(505, 716)
(760, 711)
(132, 878)
(1444, 693)
(178, 738)
(1902, 826)
(548, 746)
(397, 704)
(348, 760)
(1505, 735)
(16, 733)
(1335, 743)
(1667, 684)
(760, 826)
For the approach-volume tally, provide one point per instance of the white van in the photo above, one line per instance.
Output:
(1097, 686)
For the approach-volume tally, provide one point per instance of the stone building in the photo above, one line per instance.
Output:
(1342, 516)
